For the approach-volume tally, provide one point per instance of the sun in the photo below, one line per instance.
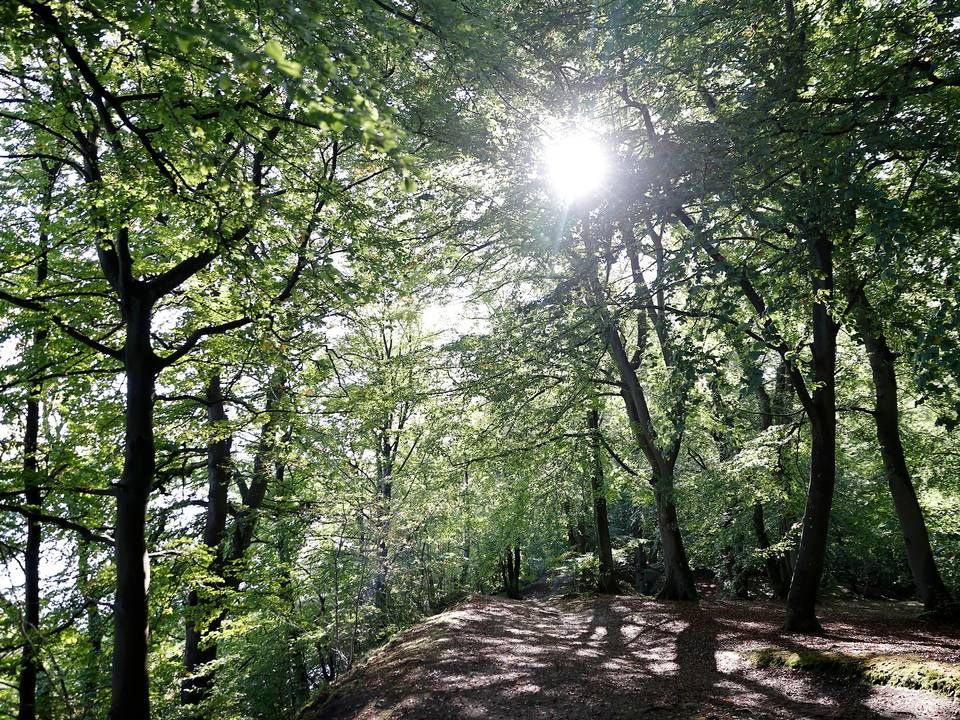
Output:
(575, 164)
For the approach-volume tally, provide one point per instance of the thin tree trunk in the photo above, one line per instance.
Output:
(95, 621)
(29, 659)
(774, 564)
(811, 556)
(198, 653)
(129, 680)
(607, 582)
(926, 576)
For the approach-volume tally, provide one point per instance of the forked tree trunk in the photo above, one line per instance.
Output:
(130, 687)
(811, 556)
(926, 576)
(607, 582)
(661, 456)
(229, 560)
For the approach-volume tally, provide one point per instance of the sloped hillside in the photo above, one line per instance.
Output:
(629, 657)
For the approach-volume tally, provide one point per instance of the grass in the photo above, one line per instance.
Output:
(892, 670)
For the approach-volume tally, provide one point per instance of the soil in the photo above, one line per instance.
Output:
(632, 657)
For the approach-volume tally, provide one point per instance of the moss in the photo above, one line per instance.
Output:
(892, 670)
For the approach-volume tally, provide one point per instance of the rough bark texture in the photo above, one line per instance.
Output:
(926, 576)
(808, 569)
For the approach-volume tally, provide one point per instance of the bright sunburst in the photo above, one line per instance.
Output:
(576, 164)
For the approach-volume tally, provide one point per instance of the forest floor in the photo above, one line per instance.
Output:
(633, 657)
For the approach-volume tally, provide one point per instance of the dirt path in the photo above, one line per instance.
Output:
(629, 657)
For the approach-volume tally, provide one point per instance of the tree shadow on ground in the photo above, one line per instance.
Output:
(592, 658)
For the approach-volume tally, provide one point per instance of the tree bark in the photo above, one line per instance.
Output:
(511, 572)
(29, 659)
(773, 564)
(198, 653)
(129, 679)
(607, 582)
(926, 576)
(808, 569)
(678, 583)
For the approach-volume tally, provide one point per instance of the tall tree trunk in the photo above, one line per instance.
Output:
(511, 572)
(252, 496)
(129, 680)
(678, 583)
(811, 556)
(465, 509)
(386, 455)
(678, 579)
(926, 576)
(640, 561)
(773, 563)
(607, 582)
(661, 457)
(30, 657)
(199, 647)
(198, 653)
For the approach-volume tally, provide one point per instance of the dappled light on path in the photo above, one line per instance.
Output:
(625, 657)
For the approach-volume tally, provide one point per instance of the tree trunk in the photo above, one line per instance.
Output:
(926, 576)
(640, 561)
(129, 682)
(774, 564)
(387, 453)
(808, 569)
(779, 582)
(607, 582)
(29, 659)
(253, 496)
(678, 581)
(511, 572)
(196, 686)
(661, 457)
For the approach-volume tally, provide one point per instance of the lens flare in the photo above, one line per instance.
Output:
(576, 164)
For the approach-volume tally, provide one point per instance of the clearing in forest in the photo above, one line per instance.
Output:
(632, 657)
